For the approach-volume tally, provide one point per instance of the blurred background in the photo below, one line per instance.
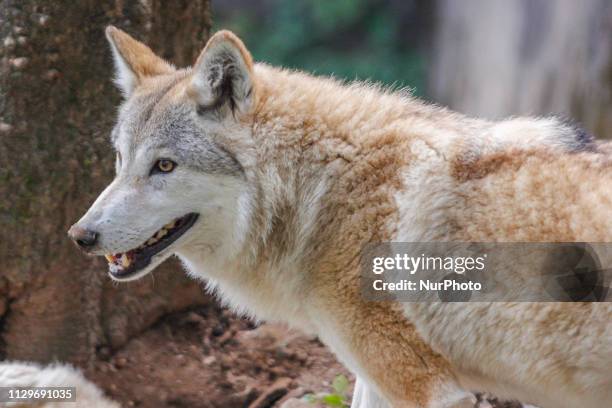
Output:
(162, 341)
(483, 58)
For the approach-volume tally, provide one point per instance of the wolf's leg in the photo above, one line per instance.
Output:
(375, 340)
(365, 397)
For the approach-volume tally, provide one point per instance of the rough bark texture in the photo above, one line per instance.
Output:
(497, 58)
(57, 105)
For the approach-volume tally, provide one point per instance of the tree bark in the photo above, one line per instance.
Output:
(498, 58)
(57, 106)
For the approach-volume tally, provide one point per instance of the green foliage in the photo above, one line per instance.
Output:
(337, 398)
(349, 39)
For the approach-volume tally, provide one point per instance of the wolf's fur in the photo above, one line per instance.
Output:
(17, 374)
(293, 174)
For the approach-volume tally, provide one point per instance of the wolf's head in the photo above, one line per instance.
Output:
(180, 181)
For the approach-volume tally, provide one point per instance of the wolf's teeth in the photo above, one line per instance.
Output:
(170, 225)
(161, 233)
(109, 258)
(151, 241)
(125, 261)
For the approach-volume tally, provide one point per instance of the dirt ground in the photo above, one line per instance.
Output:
(209, 358)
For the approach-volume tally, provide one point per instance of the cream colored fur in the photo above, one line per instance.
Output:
(329, 167)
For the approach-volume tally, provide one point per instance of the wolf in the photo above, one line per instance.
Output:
(267, 183)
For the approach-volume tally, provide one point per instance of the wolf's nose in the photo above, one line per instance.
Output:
(83, 237)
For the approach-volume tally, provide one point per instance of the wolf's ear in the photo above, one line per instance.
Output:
(223, 74)
(133, 60)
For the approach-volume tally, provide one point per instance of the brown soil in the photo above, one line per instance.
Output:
(209, 358)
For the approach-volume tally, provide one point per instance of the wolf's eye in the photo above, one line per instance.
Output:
(163, 166)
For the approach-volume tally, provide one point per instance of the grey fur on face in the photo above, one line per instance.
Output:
(180, 133)
(151, 120)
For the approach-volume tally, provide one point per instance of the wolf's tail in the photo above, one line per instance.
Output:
(18, 374)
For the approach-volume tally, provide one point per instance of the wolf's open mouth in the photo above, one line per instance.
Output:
(123, 265)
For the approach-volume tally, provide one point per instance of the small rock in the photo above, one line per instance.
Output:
(181, 359)
(18, 63)
(194, 318)
(43, 20)
(22, 40)
(226, 337)
(121, 362)
(150, 390)
(209, 360)
(9, 43)
(5, 127)
(52, 74)
(301, 355)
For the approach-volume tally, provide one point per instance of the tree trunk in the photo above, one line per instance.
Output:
(57, 106)
(497, 58)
